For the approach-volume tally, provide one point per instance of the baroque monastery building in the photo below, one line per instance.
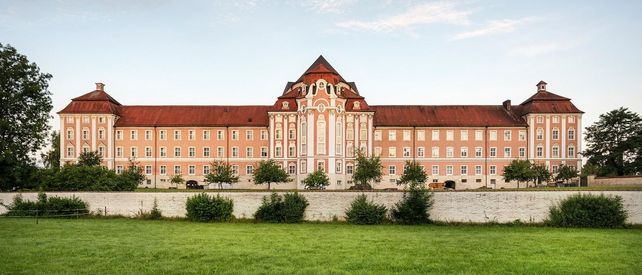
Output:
(318, 122)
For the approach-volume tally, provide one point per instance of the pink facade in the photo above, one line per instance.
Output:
(318, 122)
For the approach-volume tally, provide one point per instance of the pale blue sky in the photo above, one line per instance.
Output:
(398, 52)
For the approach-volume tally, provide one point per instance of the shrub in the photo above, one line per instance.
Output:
(51, 207)
(413, 208)
(289, 208)
(363, 211)
(205, 208)
(155, 214)
(588, 211)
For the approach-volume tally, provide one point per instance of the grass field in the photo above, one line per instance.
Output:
(135, 246)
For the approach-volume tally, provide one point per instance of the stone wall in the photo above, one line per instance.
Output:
(623, 180)
(498, 206)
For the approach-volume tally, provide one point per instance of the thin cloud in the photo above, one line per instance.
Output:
(494, 27)
(328, 6)
(429, 13)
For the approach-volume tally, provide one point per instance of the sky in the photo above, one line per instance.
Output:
(398, 52)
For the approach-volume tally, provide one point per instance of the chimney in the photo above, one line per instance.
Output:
(541, 86)
(100, 86)
(507, 105)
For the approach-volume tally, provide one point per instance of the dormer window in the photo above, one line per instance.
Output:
(285, 105)
(356, 105)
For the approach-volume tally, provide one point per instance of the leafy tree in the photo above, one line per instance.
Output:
(25, 103)
(519, 170)
(540, 173)
(413, 174)
(133, 175)
(176, 179)
(268, 171)
(220, 173)
(51, 159)
(90, 158)
(566, 173)
(614, 143)
(367, 169)
(317, 179)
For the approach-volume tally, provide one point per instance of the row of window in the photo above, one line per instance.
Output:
(450, 152)
(450, 135)
(555, 119)
(555, 134)
(85, 119)
(191, 134)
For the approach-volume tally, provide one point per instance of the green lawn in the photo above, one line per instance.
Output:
(134, 246)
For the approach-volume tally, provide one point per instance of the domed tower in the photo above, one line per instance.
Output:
(86, 124)
(318, 123)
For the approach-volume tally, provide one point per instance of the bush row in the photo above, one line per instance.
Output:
(48, 207)
(87, 178)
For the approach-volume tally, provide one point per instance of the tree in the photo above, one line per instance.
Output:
(220, 173)
(133, 175)
(413, 174)
(367, 169)
(176, 179)
(317, 179)
(614, 143)
(90, 158)
(519, 170)
(25, 103)
(51, 159)
(566, 173)
(540, 173)
(268, 171)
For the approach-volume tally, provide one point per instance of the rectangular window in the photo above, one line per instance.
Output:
(435, 152)
(249, 152)
(555, 134)
(571, 134)
(571, 119)
(235, 152)
(206, 169)
(406, 152)
(148, 135)
(522, 135)
(464, 134)
(119, 169)
(540, 119)
(85, 134)
(134, 135)
(163, 170)
(264, 135)
(449, 170)
(148, 169)
(148, 152)
(478, 152)
(420, 152)
(406, 135)
(493, 152)
(435, 170)
(119, 135)
(249, 170)
(555, 151)
(363, 133)
(349, 169)
(464, 170)
(392, 152)
(206, 152)
(392, 135)
(191, 170)
(478, 170)
(450, 135)
(292, 169)
(249, 134)
(493, 170)
(163, 134)
(464, 152)
(392, 170)
(235, 135)
(291, 134)
(264, 152)
(539, 151)
(377, 151)
(163, 152)
(191, 151)
(435, 134)
(571, 152)
(206, 134)
(134, 152)
(291, 151)
(421, 135)
(177, 135)
(70, 152)
(119, 152)
(177, 152)
(377, 135)
(507, 152)
(220, 152)
(479, 135)
(220, 135)
(493, 135)
(177, 169)
(450, 152)
(278, 151)
(235, 169)
(540, 134)
(522, 152)
(508, 135)
(277, 134)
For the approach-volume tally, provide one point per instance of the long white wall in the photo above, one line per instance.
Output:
(448, 206)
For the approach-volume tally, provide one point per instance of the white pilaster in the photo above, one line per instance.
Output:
(63, 139)
(110, 159)
(547, 137)
(78, 130)
(271, 134)
(531, 140)
(311, 141)
(563, 136)
(93, 133)
(331, 140)
(370, 133)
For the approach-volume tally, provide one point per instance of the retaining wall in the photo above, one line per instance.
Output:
(501, 206)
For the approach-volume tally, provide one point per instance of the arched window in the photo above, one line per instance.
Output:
(540, 134)
(339, 131)
(571, 134)
(571, 151)
(555, 134)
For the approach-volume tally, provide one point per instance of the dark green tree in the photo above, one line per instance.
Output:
(220, 173)
(89, 158)
(317, 179)
(614, 143)
(133, 175)
(268, 171)
(565, 173)
(367, 169)
(51, 159)
(177, 179)
(413, 174)
(541, 173)
(25, 103)
(518, 170)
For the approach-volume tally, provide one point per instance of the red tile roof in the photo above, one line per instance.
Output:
(205, 116)
(90, 107)
(547, 102)
(445, 116)
(320, 66)
(97, 95)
